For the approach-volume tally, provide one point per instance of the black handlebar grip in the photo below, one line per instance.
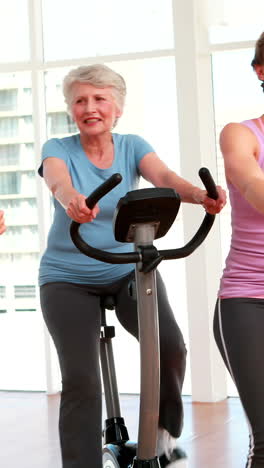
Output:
(102, 190)
(208, 182)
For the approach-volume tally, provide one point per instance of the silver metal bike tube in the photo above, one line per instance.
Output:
(149, 351)
(109, 379)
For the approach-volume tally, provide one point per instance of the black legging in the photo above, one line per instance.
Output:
(72, 314)
(239, 333)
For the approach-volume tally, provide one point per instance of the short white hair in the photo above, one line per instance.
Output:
(98, 75)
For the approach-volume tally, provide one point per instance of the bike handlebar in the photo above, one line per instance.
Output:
(86, 249)
(208, 182)
(135, 257)
(102, 190)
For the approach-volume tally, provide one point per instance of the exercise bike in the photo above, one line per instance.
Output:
(141, 216)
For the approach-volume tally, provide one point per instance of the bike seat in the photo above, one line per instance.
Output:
(108, 302)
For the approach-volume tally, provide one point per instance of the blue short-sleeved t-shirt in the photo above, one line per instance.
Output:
(62, 261)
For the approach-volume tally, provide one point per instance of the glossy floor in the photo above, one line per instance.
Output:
(214, 435)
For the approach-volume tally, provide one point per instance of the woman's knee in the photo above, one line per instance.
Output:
(82, 386)
(174, 354)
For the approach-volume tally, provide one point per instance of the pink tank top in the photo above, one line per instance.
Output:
(243, 275)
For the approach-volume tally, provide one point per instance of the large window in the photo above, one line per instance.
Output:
(234, 21)
(32, 109)
(147, 100)
(106, 27)
(8, 99)
(237, 96)
(235, 80)
(146, 42)
(14, 23)
(19, 247)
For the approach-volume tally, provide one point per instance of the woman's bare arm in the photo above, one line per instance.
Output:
(157, 172)
(58, 179)
(240, 150)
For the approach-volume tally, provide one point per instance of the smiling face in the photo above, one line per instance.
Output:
(94, 110)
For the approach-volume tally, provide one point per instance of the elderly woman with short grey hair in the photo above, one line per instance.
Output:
(71, 284)
(99, 76)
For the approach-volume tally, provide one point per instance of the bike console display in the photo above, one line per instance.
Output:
(157, 206)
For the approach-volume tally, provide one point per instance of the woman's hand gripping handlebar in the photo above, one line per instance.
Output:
(135, 257)
(208, 182)
(108, 257)
(205, 227)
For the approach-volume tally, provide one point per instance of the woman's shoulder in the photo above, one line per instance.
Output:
(237, 135)
(240, 126)
(126, 136)
(236, 129)
(131, 140)
(64, 141)
(61, 147)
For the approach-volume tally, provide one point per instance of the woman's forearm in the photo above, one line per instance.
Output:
(188, 192)
(64, 193)
(58, 180)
